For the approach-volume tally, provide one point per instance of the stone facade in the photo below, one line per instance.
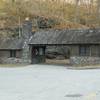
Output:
(26, 35)
(22, 55)
(84, 60)
(92, 59)
(14, 60)
(6, 59)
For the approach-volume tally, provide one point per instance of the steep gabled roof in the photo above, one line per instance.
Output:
(11, 44)
(50, 37)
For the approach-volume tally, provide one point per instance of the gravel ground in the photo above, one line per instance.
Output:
(48, 82)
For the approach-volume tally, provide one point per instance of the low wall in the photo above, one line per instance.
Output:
(13, 61)
(84, 60)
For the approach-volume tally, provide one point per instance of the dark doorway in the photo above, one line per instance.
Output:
(38, 54)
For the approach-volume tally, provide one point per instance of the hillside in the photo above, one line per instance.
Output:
(57, 14)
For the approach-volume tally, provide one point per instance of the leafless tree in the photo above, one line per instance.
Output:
(76, 18)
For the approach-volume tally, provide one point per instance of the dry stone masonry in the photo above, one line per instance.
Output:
(84, 60)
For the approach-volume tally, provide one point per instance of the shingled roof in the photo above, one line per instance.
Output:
(11, 44)
(51, 37)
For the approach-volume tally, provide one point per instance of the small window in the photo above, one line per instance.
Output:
(41, 51)
(12, 53)
(84, 50)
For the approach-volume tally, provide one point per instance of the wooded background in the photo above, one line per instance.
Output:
(51, 13)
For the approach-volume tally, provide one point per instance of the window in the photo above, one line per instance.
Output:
(12, 53)
(84, 50)
(41, 51)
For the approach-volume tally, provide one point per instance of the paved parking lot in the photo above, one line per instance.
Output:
(48, 82)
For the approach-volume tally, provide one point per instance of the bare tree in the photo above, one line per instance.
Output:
(76, 18)
(98, 9)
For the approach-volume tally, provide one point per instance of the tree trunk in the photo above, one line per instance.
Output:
(98, 10)
(76, 18)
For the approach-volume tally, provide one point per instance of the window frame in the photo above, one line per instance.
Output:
(84, 50)
(12, 53)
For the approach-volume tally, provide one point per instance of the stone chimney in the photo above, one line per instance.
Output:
(26, 34)
(27, 29)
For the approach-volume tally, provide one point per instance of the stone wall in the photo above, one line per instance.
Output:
(6, 60)
(26, 35)
(84, 60)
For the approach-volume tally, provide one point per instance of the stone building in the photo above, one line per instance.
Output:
(83, 45)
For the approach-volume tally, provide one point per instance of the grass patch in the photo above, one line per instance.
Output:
(13, 65)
